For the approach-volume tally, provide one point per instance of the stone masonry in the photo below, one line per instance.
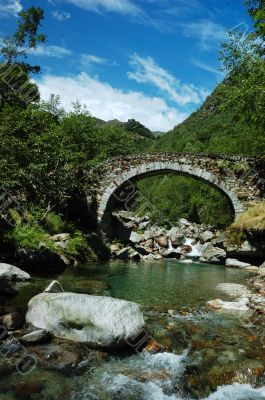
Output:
(240, 178)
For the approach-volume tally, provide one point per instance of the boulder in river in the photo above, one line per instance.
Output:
(162, 241)
(54, 287)
(234, 289)
(206, 236)
(241, 304)
(11, 273)
(212, 254)
(135, 237)
(232, 262)
(97, 321)
(36, 337)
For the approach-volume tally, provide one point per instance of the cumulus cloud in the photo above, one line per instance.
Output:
(148, 72)
(61, 15)
(51, 51)
(118, 6)
(107, 102)
(10, 8)
(206, 31)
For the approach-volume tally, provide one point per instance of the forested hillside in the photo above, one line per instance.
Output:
(212, 129)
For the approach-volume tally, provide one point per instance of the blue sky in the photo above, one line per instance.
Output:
(152, 60)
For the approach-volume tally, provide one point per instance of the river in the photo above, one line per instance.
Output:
(207, 355)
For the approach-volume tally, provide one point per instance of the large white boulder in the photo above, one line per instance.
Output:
(12, 273)
(95, 320)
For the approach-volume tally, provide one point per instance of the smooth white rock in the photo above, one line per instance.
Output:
(232, 262)
(234, 289)
(12, 273)
(241, 304)
(96, 320)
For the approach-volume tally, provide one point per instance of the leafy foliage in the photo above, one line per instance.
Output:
(15, 84)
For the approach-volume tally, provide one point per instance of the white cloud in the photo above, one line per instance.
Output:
(107, 102)
(208, 32)
(10, 8)
(51, 51)
(147, 71)
(208, 68)
(118, 6)
(61, 15)
(87, 59)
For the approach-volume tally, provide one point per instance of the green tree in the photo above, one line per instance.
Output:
(256, 9)
(15, 84)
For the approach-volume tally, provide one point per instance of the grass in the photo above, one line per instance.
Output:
(252, 220)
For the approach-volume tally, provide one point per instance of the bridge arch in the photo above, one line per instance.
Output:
(159, 168)
(239, 178)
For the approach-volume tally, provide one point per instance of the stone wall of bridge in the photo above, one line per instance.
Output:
(239, 178)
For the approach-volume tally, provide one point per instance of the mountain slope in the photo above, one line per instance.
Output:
(211, 130)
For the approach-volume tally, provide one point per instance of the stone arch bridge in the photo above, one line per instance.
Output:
(240, 179)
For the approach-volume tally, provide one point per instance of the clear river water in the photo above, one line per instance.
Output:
(209, 355)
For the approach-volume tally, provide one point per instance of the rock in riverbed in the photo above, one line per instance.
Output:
(212, 254)
(97, 321)
(234, 290)
(36, 337)
(232, 262)
(54, 287)
(12, 273)
(241, 304)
